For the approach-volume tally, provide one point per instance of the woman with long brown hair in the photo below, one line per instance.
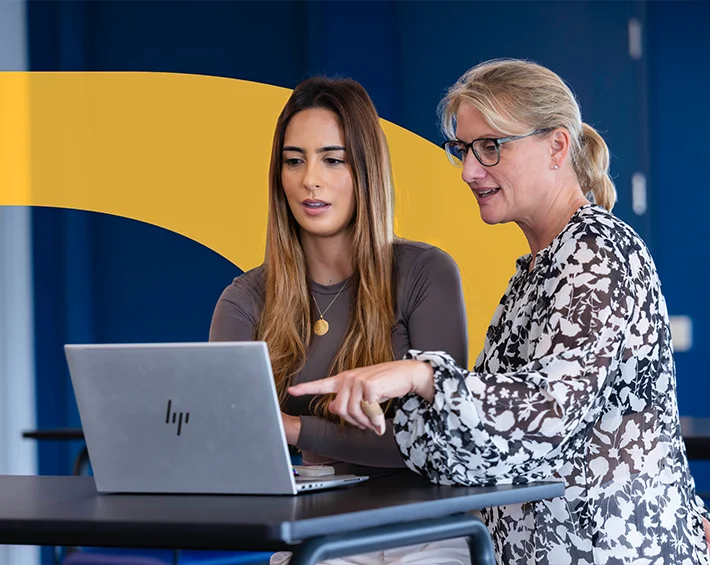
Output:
(337, 289)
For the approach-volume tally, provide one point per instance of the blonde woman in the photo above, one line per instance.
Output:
(576, 380)
(337, 289)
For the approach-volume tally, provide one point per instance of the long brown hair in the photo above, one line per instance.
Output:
(286, 320)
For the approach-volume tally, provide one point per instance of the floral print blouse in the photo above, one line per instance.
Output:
(576, 382)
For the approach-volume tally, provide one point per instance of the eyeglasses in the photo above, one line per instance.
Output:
(486, 149)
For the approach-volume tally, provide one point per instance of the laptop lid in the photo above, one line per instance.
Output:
(181, 418)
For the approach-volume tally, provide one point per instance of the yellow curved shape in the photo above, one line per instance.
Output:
(190, 154)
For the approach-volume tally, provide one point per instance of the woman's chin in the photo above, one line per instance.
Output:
(322, 230)
(490, 217)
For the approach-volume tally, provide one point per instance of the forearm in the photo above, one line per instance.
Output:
(292, 428)
(349, 444)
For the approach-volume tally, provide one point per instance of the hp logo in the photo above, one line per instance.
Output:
(176, 417)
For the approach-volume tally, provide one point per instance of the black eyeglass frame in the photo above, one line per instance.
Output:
(497, 142)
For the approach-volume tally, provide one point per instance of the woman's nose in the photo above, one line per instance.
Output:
(472, 169)
(312, 178)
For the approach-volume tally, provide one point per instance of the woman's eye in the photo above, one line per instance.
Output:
(334, 161)
(292, 161)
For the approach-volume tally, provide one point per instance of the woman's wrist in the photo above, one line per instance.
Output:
(423, 380)
(292, 428)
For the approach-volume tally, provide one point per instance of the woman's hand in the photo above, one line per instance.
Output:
(706, 527)
(292, 427)
(371, 386)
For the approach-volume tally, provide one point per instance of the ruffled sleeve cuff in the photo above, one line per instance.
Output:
(427, 431)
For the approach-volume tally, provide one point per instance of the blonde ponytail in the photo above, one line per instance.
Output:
(591, 163)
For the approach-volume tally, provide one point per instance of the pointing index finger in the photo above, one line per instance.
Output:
(322, 386)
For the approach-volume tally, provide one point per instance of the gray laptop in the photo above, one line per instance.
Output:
(185, 418)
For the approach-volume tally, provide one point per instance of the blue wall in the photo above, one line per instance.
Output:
(679, 80)
(100, 278)
(680, 91)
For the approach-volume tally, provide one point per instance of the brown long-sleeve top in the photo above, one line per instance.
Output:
(430, 315)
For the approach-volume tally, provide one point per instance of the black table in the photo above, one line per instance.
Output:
(391, 511)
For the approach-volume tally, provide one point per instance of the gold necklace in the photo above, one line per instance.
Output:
(321, 326)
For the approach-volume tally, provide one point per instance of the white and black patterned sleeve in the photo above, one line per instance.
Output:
(521, 425)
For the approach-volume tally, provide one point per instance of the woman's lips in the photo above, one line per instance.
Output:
(315, 207)
(483, 194)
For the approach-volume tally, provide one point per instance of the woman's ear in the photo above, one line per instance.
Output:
(560, 142)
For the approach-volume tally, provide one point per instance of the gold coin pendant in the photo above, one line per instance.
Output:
(320, 327)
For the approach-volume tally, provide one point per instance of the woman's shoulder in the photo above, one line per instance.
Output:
(595, 231)
(418, 255)
(593, 220)
(238, 308)
(421, 266)
(247, 288)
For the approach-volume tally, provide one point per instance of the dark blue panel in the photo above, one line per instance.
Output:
(52, 382)
(152, 284)
(358, 40)
(259, 41)
(63, 314)
(43, 33)
(680, 90)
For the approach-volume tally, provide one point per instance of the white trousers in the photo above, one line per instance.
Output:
(447, 552)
